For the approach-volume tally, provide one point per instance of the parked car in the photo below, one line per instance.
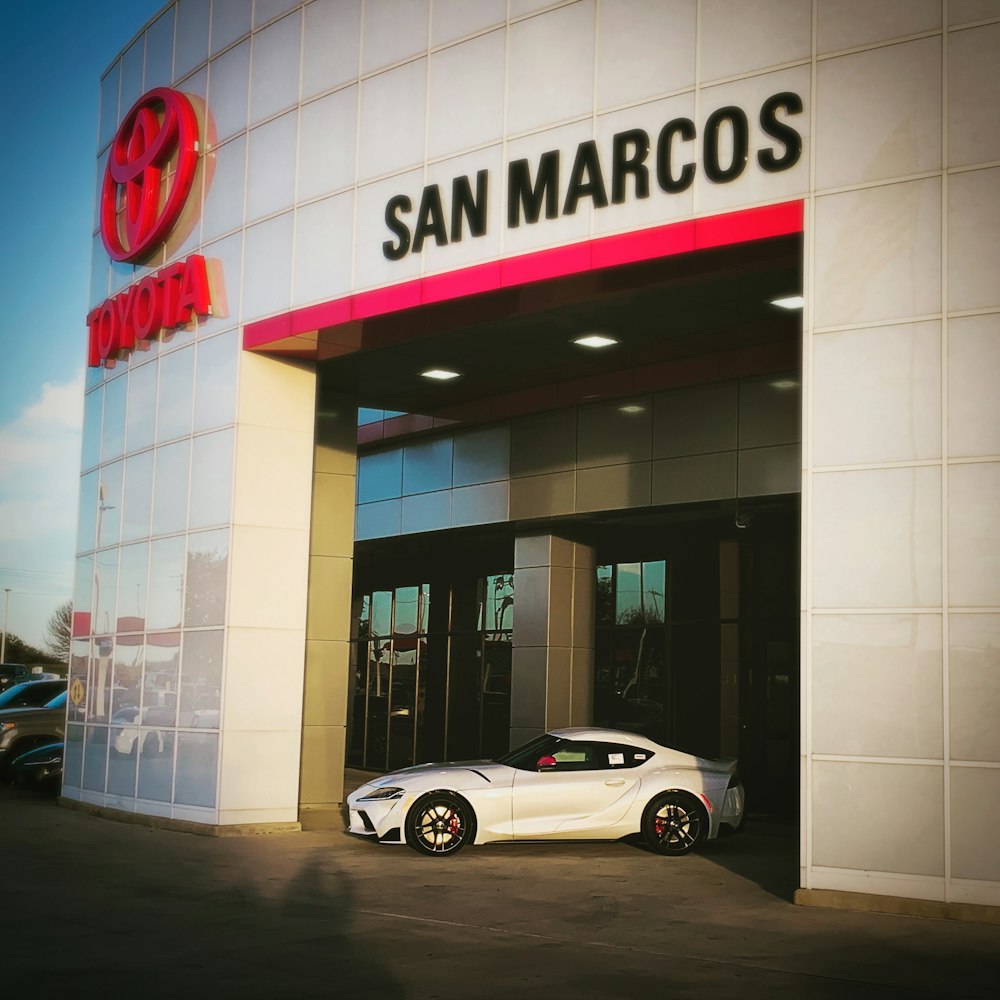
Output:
(39, 769)
(569, 784)
(13, 673)
(31, 694)
(126, 737)
(24, 729)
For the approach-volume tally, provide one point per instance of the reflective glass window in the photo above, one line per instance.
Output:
(126, 689)
(73, 756)
(156, 765)
(105, 591)
(159, 679)
(109, 504)
(175, 394)
(86, 531)
(211, 479)
(95, 758)
(215, 381)
(653, 591)
(166, 583)
(201, 680)
(605, 596)
(83, 596)
(99, 679)
(380, 475)
(628, 596)
(140, 420)
(498, 604)
(113, 428)
(93, 405)
(197, 764)
(132, 570)
(109, 104)
(382, 612)
(427, 466)
(137, 496)
(160, 51)
(79, 677)
(207, 576)
(170, 492)
(122, 761)
(407, 606)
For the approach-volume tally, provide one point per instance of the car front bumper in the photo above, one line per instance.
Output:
(379, 818)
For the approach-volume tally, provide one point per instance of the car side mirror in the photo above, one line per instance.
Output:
(546, 763)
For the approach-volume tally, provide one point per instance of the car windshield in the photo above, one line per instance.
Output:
(525, 757)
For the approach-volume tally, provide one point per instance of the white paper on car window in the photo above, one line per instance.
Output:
(616, 758)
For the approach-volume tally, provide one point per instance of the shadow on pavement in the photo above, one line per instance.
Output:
(170, 914)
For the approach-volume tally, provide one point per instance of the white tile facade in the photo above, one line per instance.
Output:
(900, 455)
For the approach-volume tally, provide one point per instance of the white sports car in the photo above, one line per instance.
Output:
(569, 784)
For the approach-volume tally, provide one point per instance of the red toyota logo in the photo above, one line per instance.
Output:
(151, 167)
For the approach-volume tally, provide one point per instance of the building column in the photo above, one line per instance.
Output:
(328, 622)
(552, 682)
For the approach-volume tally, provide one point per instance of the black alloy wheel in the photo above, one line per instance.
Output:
(440, 823)
(674, 823)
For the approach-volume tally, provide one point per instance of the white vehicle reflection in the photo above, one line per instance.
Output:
(127, 737)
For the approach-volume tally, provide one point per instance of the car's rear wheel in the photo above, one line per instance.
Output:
(674, 823)
(440, 823)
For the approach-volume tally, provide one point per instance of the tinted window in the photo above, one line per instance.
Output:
(30, 694)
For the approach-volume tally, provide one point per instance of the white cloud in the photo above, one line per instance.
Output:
(39, 488)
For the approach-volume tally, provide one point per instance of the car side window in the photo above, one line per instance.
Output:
(620, 755)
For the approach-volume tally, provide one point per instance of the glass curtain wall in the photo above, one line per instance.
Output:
(424, 691)
(631, 681)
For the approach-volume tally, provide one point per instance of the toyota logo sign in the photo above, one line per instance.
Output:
(151, 167)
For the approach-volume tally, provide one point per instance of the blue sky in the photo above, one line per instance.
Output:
(51, 59)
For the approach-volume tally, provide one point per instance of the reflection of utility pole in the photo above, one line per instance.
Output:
(3, 641)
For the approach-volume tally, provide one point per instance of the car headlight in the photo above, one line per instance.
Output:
(382, 793)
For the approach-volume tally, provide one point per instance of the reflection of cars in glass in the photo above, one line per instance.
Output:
(24, 728)
(39, 769)
(127, 737)
(31, 694)
(13, 673)
(570, 784)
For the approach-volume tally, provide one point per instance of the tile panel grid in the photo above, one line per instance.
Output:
(951, 519)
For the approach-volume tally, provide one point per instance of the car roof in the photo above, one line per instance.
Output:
(606, 736)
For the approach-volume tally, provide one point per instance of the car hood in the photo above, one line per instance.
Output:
(467, 773)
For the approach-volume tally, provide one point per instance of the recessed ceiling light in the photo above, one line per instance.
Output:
(631, 408)
(441, 374)
(595, 340)
(789, 302)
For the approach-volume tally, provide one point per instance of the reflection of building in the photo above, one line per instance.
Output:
(749, 530)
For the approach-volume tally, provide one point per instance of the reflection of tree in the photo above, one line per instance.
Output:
(204, 602)
(605, 600)
(59, 631)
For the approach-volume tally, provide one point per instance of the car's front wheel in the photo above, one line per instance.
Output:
(440, 823)
(674, 823)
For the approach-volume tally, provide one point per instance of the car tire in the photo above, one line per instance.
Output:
(674, 823)
(440, 824)
(150, 745)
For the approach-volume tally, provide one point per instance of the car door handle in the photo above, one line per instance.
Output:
(615, 782)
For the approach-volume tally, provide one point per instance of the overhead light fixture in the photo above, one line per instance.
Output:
(631, 408)
(440, 374)
(789, 302)
(595, 340)
(784, 383)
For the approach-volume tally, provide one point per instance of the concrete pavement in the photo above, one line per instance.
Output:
(95, 906)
